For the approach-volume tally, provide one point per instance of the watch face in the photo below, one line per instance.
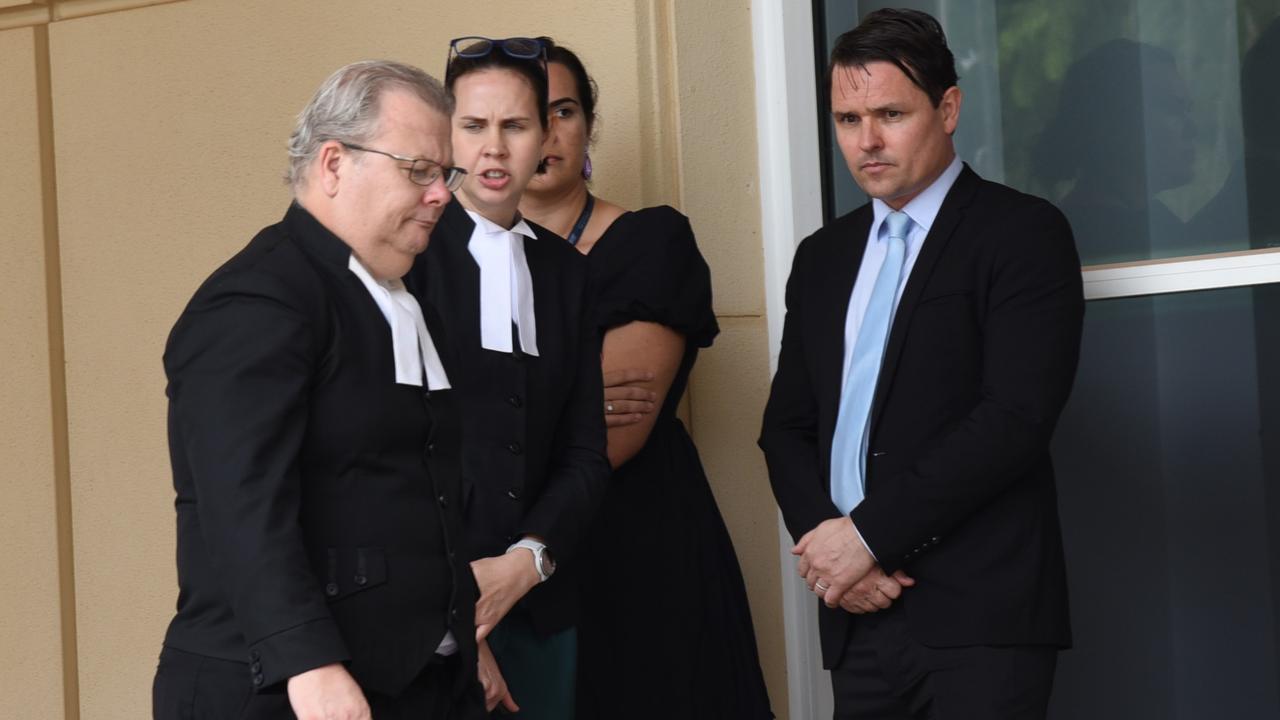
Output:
(546, 564)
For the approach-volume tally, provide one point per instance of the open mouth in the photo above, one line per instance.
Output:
(494, 179)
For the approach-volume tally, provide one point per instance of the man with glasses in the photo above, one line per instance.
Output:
(314, 439)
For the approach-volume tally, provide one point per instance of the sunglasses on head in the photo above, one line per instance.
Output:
(475, 46)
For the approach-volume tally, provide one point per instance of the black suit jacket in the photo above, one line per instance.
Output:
(979, 362)
(317, 500)
(533, 457)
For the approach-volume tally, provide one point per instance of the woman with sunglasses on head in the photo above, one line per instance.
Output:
(514, 301)
(665, 630)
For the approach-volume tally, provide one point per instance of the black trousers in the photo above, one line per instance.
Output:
(190, 687)
(887, 675)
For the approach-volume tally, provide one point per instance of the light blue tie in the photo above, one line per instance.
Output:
(849, 446)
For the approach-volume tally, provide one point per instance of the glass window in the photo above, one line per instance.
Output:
(1151, 124)
(1168, 469)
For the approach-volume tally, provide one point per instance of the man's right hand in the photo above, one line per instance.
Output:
(876, 591)
(327, 693)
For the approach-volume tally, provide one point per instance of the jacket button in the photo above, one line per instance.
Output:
(514, 448)
(515, 401)
(514, 493)
(431, 449)
(258, 679)
(255, 654)
(256, 667)
(331, 589)
(361, 580)
(444, 501)
(453, 555)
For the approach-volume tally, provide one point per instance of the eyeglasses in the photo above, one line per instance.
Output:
(474, 46)
(421, 170)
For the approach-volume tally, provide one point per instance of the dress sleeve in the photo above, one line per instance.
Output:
(647, 268)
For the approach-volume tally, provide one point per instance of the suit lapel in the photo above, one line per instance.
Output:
(849, 244)
(944, 227)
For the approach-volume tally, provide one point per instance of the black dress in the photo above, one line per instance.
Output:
(665, 630)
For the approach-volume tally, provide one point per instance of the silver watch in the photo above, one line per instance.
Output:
(543, 562)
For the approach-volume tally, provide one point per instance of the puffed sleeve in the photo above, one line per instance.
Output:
(647, 268)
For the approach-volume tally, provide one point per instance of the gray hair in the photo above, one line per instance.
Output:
(345, 108)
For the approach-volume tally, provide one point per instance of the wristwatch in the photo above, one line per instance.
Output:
(542, 560)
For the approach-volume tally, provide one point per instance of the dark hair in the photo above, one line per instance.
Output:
(532, 70)
(588, 91)
(910, 39)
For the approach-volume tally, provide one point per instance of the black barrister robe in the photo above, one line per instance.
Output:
(533, 457)
(317, 500)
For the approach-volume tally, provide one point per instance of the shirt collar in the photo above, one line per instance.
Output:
(923, 208)
(488, 227)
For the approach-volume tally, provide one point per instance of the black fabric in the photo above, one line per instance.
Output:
(649, 269)
(665, 629)
(317, 500)
(978, 364)
(196, 687)
(533, 459)
(887, 675)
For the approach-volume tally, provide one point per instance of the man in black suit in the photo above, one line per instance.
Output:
(930, 343)
(315, 441)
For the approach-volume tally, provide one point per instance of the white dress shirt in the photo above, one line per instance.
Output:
(506, 287)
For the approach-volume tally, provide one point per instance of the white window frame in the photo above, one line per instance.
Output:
(791, 208)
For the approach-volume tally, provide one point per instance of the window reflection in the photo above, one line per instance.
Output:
(1254, 181)
(1166, 463)
(1122, 133)
(1153, 125)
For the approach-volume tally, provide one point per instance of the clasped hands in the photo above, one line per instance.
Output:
(837, 566)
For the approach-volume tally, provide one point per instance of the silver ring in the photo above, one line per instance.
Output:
(608, 407)
(820, 587)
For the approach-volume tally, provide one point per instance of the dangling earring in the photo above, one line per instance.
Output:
(586, 167)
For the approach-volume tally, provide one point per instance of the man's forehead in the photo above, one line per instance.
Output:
(423, 130)
(877, 81)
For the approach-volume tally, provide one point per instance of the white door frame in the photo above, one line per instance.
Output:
(790, 209)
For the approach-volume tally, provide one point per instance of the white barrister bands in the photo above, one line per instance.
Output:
(506, 287)
(414, 351)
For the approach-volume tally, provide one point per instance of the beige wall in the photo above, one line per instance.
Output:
(168, 125)
(30, 626)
